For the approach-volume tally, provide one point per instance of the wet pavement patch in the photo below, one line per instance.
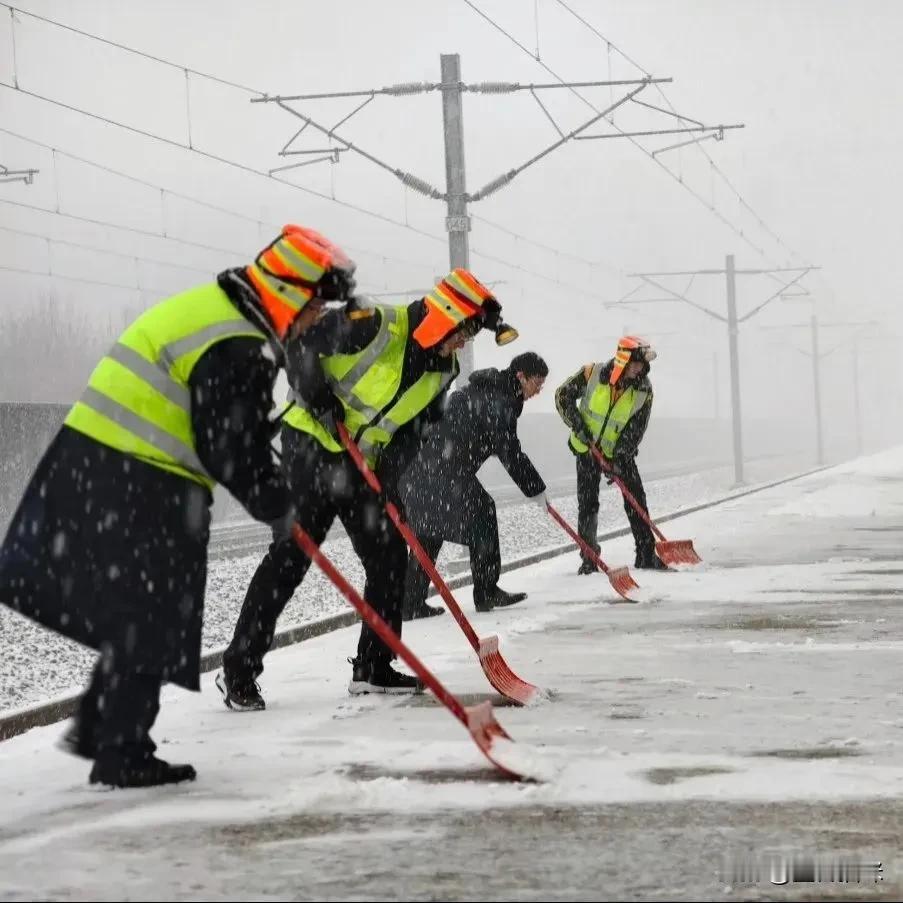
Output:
(626, 711)
(427, 700)
(842, 594)
(813, 752)
(673, 775)
(887, 572)
(773, 622)
(676, 850)
(360, 772)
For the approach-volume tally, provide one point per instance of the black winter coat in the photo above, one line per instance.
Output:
(112, 552)
(480, 422)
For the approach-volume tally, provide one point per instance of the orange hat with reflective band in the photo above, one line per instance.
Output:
(630, 348)
(297, 265)
(459, 297)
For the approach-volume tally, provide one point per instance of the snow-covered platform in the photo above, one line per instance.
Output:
(751, 704)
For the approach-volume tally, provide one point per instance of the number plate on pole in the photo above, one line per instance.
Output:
(457, 224)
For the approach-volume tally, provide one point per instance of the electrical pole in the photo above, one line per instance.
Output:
(856, 400)
(715, 385)
(817, 354)
(732, 320)
(732, 330)
(457, 222)
(816, 384)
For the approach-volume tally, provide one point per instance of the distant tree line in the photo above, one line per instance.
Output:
(48, 350)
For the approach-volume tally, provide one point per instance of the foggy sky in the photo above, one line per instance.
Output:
(813, 81)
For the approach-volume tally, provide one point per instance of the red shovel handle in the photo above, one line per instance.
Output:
(643, 513)
(377, 624)
(409, 537)
(584, 545)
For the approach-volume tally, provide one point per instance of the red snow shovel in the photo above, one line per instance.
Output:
(620, 578)
(671, 552)
(478, 719)
(494, 666)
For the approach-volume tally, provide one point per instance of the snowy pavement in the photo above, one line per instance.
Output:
(36, 665)
(749, 705)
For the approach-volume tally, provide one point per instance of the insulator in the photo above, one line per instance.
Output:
(409, 88)
(494, 87)
(494, 185)
(417, 184)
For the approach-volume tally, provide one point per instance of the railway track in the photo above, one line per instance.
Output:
(236, 539)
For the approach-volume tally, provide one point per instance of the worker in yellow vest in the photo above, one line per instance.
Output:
(109, 543)
(608, 404)
(384, 372)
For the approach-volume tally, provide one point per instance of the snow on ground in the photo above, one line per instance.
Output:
(36, 665)
(753, 703)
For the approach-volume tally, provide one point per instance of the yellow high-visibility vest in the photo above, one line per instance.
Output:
(138, 399)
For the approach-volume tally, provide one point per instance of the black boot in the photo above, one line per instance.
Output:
(380, 678)
(587, 567)
(496, 598)
(240, 697)
(77, 742)
(423, 611)
(649, 561)
(116, 770)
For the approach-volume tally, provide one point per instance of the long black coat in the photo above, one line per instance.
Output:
(440, 490)
(112, 552)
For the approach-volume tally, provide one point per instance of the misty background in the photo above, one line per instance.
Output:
(153, 176)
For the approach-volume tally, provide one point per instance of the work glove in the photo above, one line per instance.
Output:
(540, 501)
(330, 415)
(612, 470)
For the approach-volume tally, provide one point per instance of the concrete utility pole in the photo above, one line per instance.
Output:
(734, 351)
(817, 354)
(457, 222)
(456, 196)
(856, 399)
(715, 388)
(816, 385)
(732, 320)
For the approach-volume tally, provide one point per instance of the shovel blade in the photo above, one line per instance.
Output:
(677, 551)
(500, 675)
(622, 582)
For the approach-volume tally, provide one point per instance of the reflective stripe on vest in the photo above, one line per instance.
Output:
(367, 383)
(405, 409)
(138, 400)
(605, 421)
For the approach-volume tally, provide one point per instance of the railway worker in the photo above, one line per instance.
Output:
(109, 543)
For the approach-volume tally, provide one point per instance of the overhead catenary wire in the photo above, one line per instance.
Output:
(192, 199)
(775, 237)
(49, 274)
(143, 258)
(194, 149)
(226, 161)
(717, 213)
(241, 254)
(126, 47)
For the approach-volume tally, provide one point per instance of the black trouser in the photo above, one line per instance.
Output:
(118, 710)
(477, 528)
(324, 485)
(589, 477)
